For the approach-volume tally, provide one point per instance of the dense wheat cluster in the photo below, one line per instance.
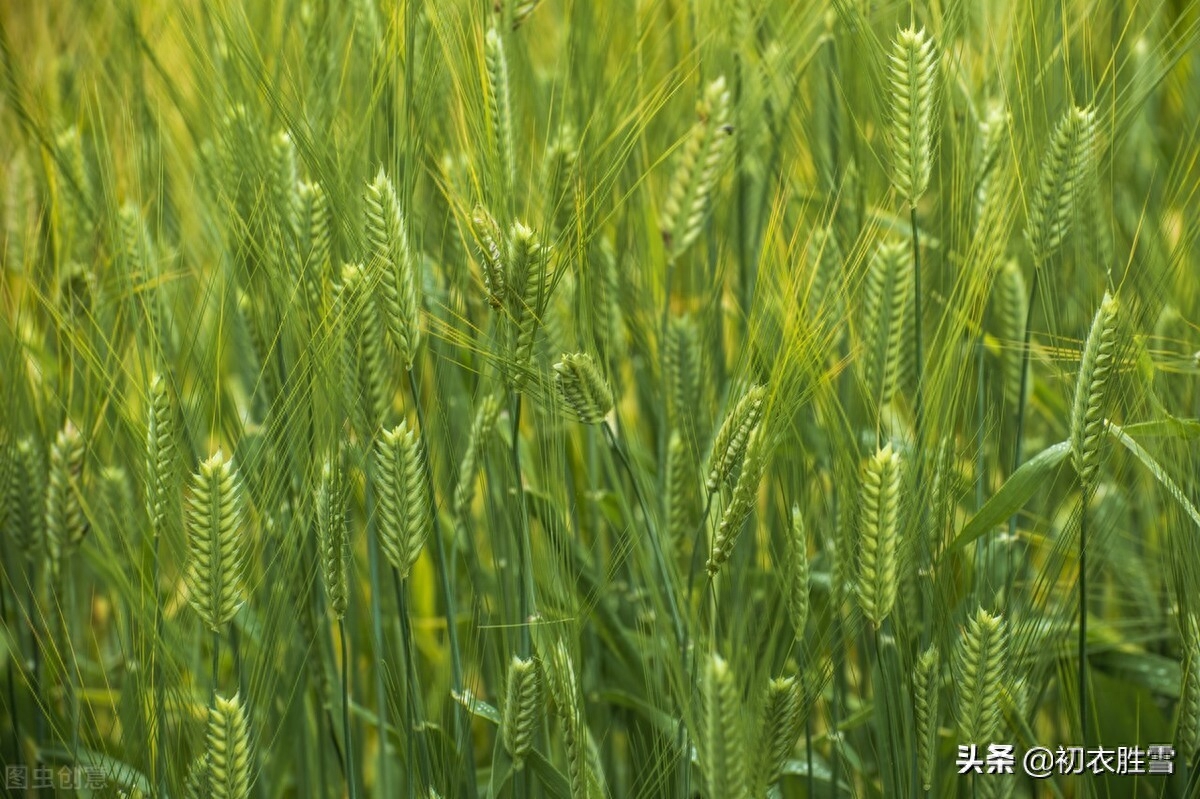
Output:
(689, 399)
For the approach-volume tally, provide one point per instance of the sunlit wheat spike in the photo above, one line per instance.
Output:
(782, 717)
(403, 505)
(979, 676)
(745, 495)
(1065, 168)
(490, 241)
(1011, 304)
(887, 303)
(796, 572)
(333, 534)
(729, 446)
(528, 280)
(522, 709)
(925, 707)
(160, 455)
(606, 284)
(724, 751)
(228, 749)
(481, 428)
(682, 495)
(500, 108)
(393, 265)
(66, 524)
(912, 70)
(195, 783)
(879, 535)
(582, 388)
(825, 289)
(1087, 411)
(697, 170)
(520, 10)
(25, 490)
(116, 494)
(214, 516)
(364, 365)
(562, 153)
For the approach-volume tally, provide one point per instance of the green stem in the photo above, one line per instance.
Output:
(1017, 442)
(524, 557)
(462, 720)
(413, 709)
(376, 625)
(1083, 647)
(349, 745)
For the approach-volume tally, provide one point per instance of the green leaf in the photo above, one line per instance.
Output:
(1156, 469)
(1013, 495)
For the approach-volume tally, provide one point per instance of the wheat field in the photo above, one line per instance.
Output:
(757, 399)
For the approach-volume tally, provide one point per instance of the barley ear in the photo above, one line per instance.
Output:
(403, 504)
(481, 427)
(228, 749)
(782, 719)
(393, 266)
(979, 676)
(1187, 724)
(697, 170)
(745, 494)
(490, 241)
(887, 306)
(25, 489)
(879, 535)
(500, 108)
(364, 361)
(729, 445)
(66, 524)
(796, 573)
(1087, 411)
(911, 75)
(925, 705)
(724, 753)
(214, 515)
(1011, 305)
(681, 495)
(528, 278)
(333, 534)
(522, 709)
(160, 455)
(582, 388)
(1065, 168)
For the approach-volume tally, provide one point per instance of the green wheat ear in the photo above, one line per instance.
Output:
(993, 144)
(228, 749)
(333, 534)
(522, 709)
(365, 371)
(1087, 411)
(1187, 724)
(481, 427)
(160, 455)
(214, 514)
(887, 304)
(1011, 307)
(745, 494)
(681, 495)
(911, 76)
(879, 535)
(66, 524)
(528, 278)
(25, 490)
(729, 445)
(697, 171)
(925, 705)
(979, 676)
(582, 387)
(392, 265)
(724, 755)
(500, 108)
(1065, 169)
(782, 718)
(490, 241)
(683, 365)
(796, 573)
(316, 242)
(403, 505)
